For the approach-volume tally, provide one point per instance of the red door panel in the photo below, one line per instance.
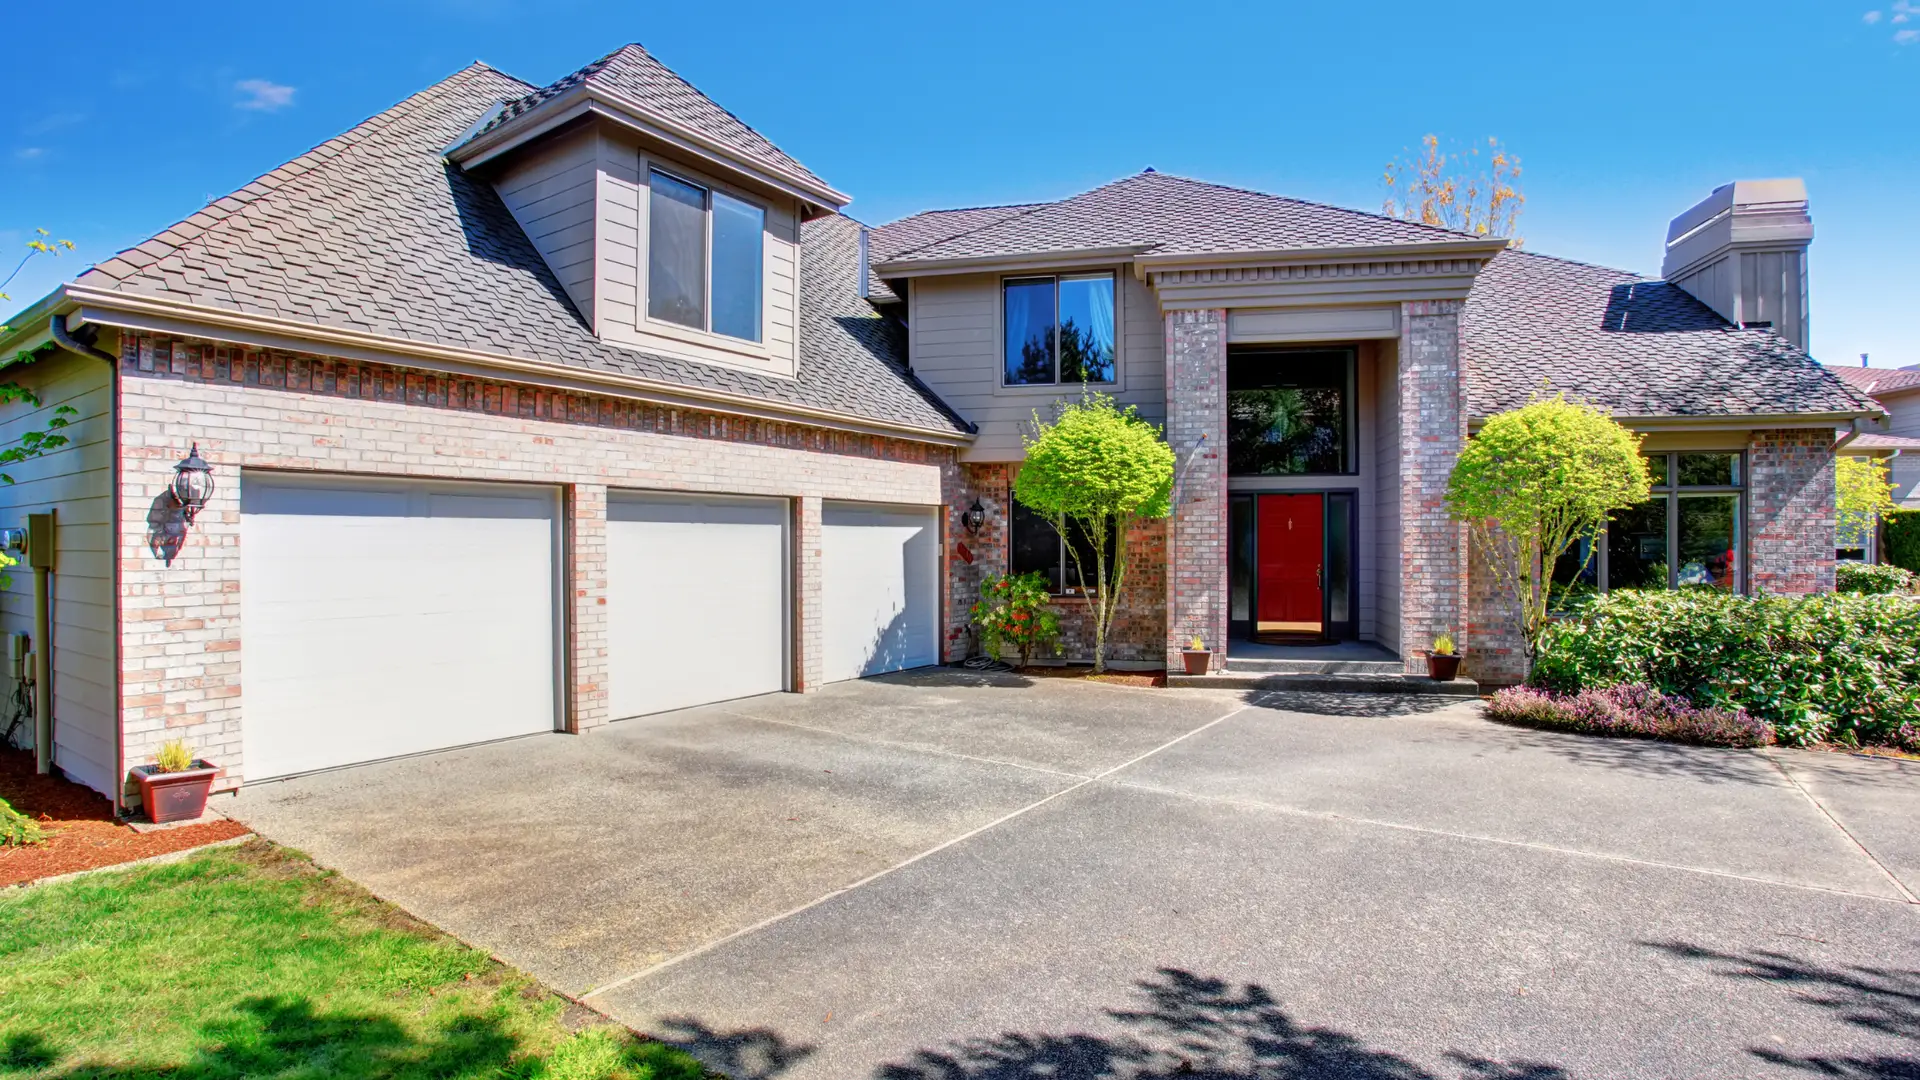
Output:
(1292, 540)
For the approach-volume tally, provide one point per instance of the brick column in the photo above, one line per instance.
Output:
(1433, 429)
(587, 606)
(1790, 511)
(808, 634)
(1197, 532)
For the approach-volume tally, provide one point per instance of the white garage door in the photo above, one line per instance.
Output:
(880, 588)
(696, 600)
(381, 618)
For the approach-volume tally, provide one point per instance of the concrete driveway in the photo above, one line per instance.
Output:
(953, 876)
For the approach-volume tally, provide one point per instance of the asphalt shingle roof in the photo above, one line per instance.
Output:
(1876, 381)
(1164, 215)
(372, 231)
(1634, 346)
(634, 74)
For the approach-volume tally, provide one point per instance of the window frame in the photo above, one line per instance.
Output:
(1056, 277)
(705, 331)
(1669, 489)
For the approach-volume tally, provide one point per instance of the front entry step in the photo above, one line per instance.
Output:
(1317, 683)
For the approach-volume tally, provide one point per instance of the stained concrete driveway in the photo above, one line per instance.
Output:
(953, 876)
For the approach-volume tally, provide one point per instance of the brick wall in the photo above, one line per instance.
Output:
(1196, 535)
(1433, 429)
(258, 409)
(1791, 519)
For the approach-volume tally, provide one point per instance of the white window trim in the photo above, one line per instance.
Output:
(1055, 388)
(646, 322)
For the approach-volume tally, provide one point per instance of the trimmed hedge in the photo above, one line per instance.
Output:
(1903, 539)
(1629, 711)
(1829, 666)
(1866, 578)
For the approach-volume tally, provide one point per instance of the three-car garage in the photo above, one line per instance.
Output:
(392, 617)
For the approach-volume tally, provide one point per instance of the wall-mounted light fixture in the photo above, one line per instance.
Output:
(974, 516)
(192, 484)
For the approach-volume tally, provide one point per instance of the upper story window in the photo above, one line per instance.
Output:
(704, 257)
(1290, 411)
(1058, 330)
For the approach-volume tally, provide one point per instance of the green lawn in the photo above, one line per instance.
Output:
(250, 961)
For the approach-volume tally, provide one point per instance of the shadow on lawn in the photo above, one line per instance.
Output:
(1187, 1026)
(1876, 1000)
(276, 1036)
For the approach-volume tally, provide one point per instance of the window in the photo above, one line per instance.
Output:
(1058, 330)
(1290, 411)
(1034, 545)
(1687, 535)
(704, 258)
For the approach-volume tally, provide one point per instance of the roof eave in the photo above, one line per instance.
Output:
(633, 115)
(158, 315)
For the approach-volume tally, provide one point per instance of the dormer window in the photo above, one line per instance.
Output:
(705, 257)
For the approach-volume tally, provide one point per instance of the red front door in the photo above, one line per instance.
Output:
(1290, 547)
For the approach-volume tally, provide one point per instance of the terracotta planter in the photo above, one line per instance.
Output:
(177, 796)
(1443, 667)
(1196, 660)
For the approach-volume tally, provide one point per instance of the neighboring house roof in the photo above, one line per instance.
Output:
(1633, 346)
(1878, 381)
(1159, 214)
(373, 232)
(633, 74)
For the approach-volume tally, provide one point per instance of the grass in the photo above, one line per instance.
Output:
(250, 961)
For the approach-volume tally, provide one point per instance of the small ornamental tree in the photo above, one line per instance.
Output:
(1093, 471)
(1863, 496)
(1534, 482)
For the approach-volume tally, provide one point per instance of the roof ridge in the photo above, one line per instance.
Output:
(192, 228)
(1299, 202)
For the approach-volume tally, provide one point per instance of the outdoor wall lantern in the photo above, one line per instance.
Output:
(974, 517)
(192, 484)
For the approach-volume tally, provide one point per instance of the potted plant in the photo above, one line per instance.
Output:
(1197, 657)
(1443, 664)
(174, 787)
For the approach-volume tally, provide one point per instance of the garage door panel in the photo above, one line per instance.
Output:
(385, 619)
(879, 588)
(696, 600)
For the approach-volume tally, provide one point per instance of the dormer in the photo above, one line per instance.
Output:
(673, 226)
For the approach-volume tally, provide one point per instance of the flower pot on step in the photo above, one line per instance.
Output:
(174, 796)
(1443, 667)
(1196, 660)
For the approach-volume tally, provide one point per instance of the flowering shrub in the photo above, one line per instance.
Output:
(1015, 614)
(1630, 711)
(1829, 666)
(1854, 577)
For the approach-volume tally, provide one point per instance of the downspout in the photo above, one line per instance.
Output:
(66, 340)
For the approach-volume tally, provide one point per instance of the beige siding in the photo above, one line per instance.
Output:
(551, 193)
(954, 347)
(75, 482)
(1386, 534)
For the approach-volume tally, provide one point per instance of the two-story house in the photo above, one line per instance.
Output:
(532, 408)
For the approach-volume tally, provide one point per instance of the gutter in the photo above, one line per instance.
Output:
(133, 312)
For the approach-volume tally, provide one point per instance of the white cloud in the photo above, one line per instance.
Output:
(263, 95)
(1870, 17)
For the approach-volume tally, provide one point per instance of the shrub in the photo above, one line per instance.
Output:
(1853, 577)
(1629, 711)
(1903, 539)
(1836, 666)
(16, 827)
(1015, 613)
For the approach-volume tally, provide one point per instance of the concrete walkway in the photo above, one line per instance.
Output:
(957, 876)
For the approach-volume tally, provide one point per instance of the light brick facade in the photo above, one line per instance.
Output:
(255, 409)
(1790, 515)
(1196, 541)
(1433, 430)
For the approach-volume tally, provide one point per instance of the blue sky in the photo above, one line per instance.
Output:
(1623, 114)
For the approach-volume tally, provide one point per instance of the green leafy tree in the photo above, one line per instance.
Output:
(1093, 471)
(1533, 483)
(31, 444)
(1863, 495)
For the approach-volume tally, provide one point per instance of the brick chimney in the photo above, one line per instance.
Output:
(1743, 252)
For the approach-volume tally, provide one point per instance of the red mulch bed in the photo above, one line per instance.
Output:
(80, 831)
(1075, 671)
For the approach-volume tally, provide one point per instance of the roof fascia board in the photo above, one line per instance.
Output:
(162, 316)
(631, 114)
(1069, 258)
